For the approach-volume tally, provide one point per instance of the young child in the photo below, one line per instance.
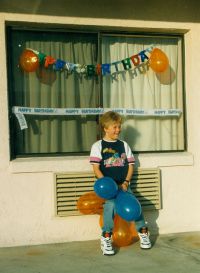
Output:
(113, 158)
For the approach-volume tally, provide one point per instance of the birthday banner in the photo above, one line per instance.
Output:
(21, 111)
(31, 59)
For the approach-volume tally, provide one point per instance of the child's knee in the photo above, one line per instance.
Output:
(109, 204)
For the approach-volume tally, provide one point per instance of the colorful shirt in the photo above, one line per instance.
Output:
(113, 158)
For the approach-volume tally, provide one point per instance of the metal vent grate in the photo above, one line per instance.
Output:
(145, 184)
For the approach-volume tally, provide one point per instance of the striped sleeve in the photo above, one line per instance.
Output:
(95, 153)
(129, 154)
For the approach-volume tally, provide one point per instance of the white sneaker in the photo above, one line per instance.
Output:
(106, 246)
(145, 242)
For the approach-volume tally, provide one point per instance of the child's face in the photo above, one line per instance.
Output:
(112, 131)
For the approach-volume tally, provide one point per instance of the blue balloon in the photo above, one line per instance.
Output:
(106, 188)
(127, 206)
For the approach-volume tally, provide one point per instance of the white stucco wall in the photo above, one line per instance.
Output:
(27, 214)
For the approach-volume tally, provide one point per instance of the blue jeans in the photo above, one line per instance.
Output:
(109, 212)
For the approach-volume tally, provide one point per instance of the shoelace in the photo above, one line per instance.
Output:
(108, 242)
(145, 238)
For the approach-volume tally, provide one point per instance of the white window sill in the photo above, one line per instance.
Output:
(166, 160)
(50, 164)
(81, 163)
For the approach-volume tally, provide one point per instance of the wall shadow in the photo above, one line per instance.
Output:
(169, 11)
(150, 214)
(131, 135)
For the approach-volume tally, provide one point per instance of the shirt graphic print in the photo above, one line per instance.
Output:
(113, 158)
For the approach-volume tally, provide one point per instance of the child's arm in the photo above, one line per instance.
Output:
(130, 172)
(97, 171)
(129, 175)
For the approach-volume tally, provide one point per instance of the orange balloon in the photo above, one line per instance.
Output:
(29, 61)
(90, 203)
(158, 60)
(124, 233)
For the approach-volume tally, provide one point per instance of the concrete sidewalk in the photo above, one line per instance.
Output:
(173, 253)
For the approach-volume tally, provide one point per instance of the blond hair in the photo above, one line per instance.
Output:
(108, 118)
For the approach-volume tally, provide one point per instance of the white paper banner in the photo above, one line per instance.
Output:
(22, 121)
(21, 111)
(95, 111)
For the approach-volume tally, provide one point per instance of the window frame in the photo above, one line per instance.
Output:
(100, 31)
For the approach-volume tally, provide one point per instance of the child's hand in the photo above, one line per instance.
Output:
(124, 186)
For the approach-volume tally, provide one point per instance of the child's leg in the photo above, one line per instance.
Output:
(108, 215)
(140, 222)
(142, 229)
(108, 224)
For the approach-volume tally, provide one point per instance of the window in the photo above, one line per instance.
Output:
(138, 87)
(142, 88)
